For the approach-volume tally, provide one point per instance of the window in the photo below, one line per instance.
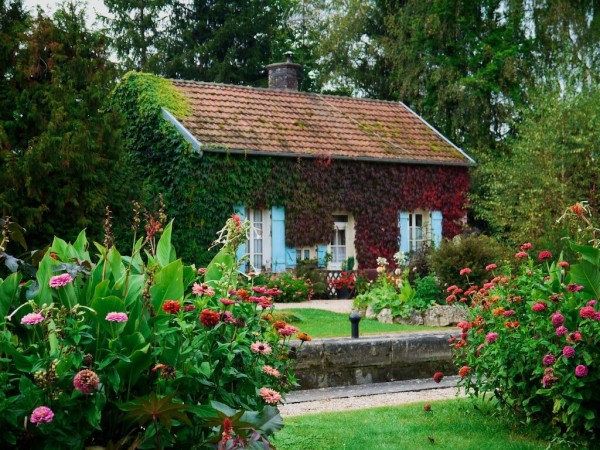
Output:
(305, 253)
(338, 241)
(418, 230)
(260, 239)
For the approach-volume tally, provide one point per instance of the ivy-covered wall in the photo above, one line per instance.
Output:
(200, 191)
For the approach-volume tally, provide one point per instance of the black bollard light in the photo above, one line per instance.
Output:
(354, 319)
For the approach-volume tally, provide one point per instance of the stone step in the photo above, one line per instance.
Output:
(392, 387)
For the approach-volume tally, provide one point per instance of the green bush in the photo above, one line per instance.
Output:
(309, 270)
(473, 252)
(138, 351)
(293, 289)
(427, 292)
(532, 341)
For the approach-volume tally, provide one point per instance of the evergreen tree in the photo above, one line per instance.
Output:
(61, 153)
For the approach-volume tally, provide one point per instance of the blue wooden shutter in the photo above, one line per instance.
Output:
(241, 251)
(436, 228)
(290, 257)
(321, 254)
(278, 238)
(403, 226)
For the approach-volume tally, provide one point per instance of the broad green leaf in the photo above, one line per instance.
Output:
(8, 292)
(223, 261)
(80, 247)
(116, 263)
(168, 284)
(268, 420)
(586, 274)
(164, 249)
(589, 253)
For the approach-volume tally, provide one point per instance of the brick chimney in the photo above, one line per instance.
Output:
(286, 75)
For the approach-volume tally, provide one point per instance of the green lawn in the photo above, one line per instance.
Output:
(323, 324)
(452, 425)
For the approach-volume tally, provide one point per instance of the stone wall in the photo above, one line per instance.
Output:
(376, 359)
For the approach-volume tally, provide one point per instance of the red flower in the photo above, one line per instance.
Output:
(491, 267)
(577, 208)
(209, 318)
(563, 264)
(464, 371)
(521, 255)
(572, 287)
(587, 312)
(539, 306)
(171, 306)
(526, 246)
(544, 255)
(465, 271)
(438, 376)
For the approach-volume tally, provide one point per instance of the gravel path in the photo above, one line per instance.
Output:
(370, 401)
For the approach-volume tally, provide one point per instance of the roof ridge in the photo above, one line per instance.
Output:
(286, 92)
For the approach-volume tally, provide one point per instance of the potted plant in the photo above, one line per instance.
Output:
(344, 285)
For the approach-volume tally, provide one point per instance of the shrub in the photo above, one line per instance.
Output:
(427, 292)
(532, 341)
(125, 351)
(294, 289)
(474, 252)
(309, 270)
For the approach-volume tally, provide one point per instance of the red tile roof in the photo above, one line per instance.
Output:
(267, 121)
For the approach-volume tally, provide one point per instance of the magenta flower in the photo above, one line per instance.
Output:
(549, 359)
(572, 287)
(543, 255)
(465, 271)
(116, 317)
(581, 371)
(86, 381)
(520, 255)
(32, 319)
(591, 303)
(557, 319)
(561, 331)
(568, 351)
(288, 330)
(226, 301)
(587, 312)
(508, 313)
(60, 280)
(526, 246)
(491, 267)
(42, 414)
(491, 337)
(539, 306)
(549, 378)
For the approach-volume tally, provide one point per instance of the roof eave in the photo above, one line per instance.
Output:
(428, 162)
(189, 137)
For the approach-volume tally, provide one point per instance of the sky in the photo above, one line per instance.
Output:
(93, 7)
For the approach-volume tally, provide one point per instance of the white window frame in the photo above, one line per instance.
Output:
(301, 253)
(262, 234)
(339, 226)
(415, 243)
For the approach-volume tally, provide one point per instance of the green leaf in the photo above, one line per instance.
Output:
(8, 291)
(164, 250)
(586, 274)
(80, 247)
(144, 410)
(268, 420)
(589, 253)
(168, 284)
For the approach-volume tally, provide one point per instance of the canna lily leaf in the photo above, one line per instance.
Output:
(152, 407)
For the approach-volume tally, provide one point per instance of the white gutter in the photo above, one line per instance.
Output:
(189, 137)
(439, 134)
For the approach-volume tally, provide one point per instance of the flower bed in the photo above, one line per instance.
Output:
(531, 340)
(125, 351)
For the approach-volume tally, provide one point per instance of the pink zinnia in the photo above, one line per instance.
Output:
(581, 371)
(226, 301)
(261, 348)
(591, 303)
(568, 351)
(539, 306)
(549, 359)
(259, 289)
(563, 264)
(561, 331)
(465, 271)
(508, 313)
(526, 246)
(116, 317)
(491, 267)
(587, 312)
(32, 319)
(60, 280)
(491, 337)
(271, 371)
(521, 255)
(544, 255)
(202, 289)
(269, 395)
(572, 287)
(42, 414)
(288, 330)
(557, 319)
(452, 288)
(86, 381)
(265, 302)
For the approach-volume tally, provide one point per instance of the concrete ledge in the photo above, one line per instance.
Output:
(374, 359)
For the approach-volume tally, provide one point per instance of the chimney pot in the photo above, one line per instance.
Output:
(285, 75)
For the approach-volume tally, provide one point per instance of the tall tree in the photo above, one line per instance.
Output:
(224, 41)
(135, 28)
(59, 163)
